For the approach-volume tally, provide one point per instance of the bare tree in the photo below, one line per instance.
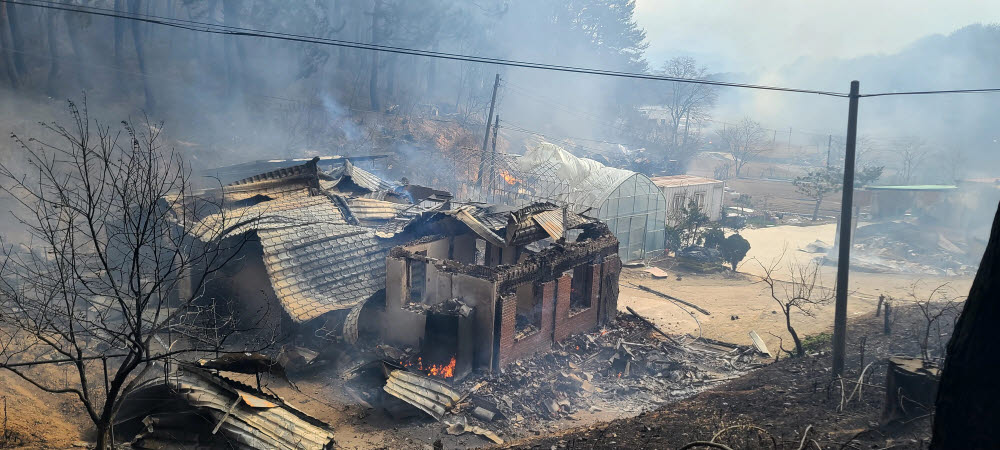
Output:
(803, 292)
(113, 275)
(744, 142)
(940, 302)
(686, 103)
(911, 153)
(955, 161)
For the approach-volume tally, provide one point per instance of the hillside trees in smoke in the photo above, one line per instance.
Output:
(229, 90)
(963, 59)
(911, 153)
(672, 125)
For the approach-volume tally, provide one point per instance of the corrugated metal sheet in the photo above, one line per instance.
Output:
(477, 227)
(427, 394)
(208, 411)
(682, 180)
(551, 222)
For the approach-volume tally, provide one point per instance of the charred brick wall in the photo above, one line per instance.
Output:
(610, 271)
(568, 323)
(512, 349)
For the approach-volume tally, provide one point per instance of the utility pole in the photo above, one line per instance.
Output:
(489, 118)
(844, 257)
(493, 157)
(829, 143)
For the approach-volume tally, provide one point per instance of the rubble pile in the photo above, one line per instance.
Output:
(912, 248)
(624, 367)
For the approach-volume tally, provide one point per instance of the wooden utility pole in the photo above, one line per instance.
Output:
(489, 118)
(844, 257)
(493, 160)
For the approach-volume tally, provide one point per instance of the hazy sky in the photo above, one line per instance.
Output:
(761, 35)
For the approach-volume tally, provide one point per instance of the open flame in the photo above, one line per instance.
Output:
(510, 179)
(435, 370)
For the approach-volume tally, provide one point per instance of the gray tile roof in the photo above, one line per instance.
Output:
(323, 267)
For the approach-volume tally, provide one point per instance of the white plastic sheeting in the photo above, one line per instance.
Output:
(628, 202)
(580, 183)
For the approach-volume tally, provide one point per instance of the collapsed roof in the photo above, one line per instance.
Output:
(325, 235)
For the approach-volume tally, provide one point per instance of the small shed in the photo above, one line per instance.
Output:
(707, 193)
(931, 201)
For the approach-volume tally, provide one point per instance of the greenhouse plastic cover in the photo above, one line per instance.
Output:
(589, 182)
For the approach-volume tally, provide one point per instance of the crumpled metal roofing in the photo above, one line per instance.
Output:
(429, 395)
(371, 209)
(244, 417)
(316, 261)
(294, 180)
(358, 176)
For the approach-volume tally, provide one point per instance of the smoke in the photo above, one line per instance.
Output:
(957, 124)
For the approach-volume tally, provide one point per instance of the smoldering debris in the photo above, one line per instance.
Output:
(624, 367)
(904, 247)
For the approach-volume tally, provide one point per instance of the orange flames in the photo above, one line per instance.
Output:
(510, 179)
(441, 371)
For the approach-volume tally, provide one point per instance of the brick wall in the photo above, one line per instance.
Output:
(583, 321)
(513, 349)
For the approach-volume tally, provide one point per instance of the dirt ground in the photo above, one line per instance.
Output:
(50, 421)
(729, 295)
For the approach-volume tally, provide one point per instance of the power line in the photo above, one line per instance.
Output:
(210, 28)
(953, 91)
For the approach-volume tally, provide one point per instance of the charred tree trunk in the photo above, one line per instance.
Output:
(133, 7)
(966, 413)
(373, 78)
(8, 58)
(75, 23)
(235, 63)
(819, 200)
(50, 36)
(13, 19)
(799, 351)
(119, 31)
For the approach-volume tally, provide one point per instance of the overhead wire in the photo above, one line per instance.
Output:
(213, 28)
(950, 91)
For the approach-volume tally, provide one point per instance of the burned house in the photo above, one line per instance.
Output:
(522, 281)
(331, 255)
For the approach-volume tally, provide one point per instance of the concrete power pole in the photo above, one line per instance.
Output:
(829, 144)
(844, 257)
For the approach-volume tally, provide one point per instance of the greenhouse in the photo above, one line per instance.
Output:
(628, 202)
